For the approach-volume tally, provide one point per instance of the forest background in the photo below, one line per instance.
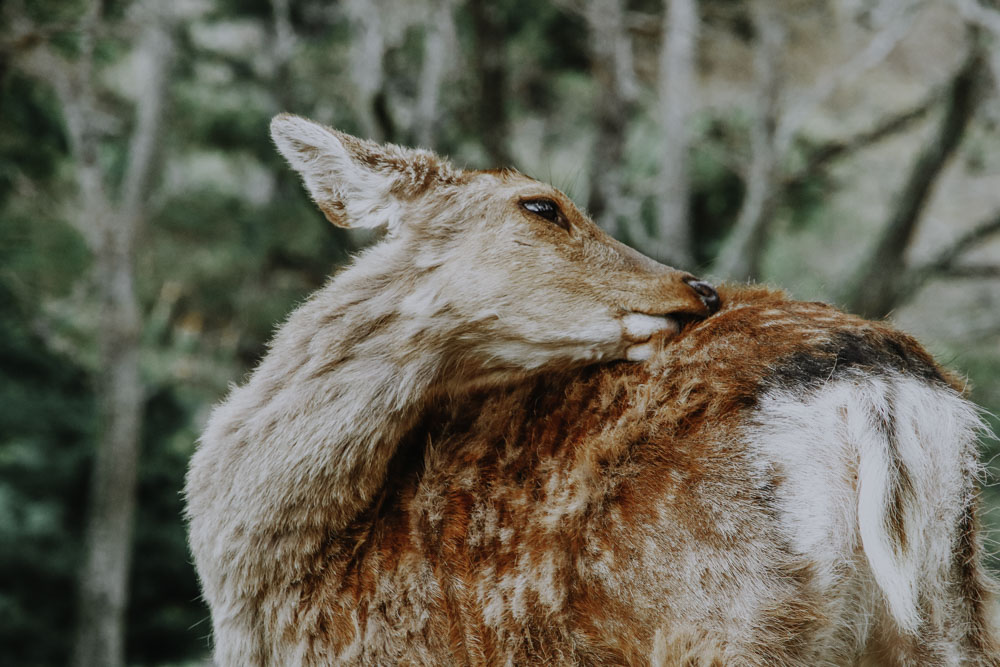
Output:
(150, 237)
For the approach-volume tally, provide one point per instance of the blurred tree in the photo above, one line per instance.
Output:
(611, 65)
(368, 49)
(778, 121)
(283, 50)
(741, 253)
(490, 65)
(884, 280)
(675, 92)
(439, 42)
(110, 224)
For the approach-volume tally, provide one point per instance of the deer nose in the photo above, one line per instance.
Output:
(705, 292)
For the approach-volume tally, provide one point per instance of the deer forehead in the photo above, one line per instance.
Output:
(509, 186)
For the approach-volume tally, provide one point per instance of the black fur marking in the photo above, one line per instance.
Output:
(901, 492)
(850, 350)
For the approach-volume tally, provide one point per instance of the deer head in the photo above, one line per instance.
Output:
(505, 266)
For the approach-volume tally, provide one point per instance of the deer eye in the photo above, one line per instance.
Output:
(546, 208)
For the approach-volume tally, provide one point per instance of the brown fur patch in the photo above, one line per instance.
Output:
(530, 510)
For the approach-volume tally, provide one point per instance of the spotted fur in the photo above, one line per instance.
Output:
(403, 482)
(709, 507)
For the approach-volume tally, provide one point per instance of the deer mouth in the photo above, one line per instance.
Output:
(646, 332)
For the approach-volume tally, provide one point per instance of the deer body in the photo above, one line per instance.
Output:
(782, 485)
(429, 468)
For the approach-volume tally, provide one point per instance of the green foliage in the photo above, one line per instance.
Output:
(56, 259)
(53, 11)
(806, 199)
(716, 188)
(166, 621)
(46, 429)
(31, 134)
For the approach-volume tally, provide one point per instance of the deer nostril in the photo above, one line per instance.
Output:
(705, 292)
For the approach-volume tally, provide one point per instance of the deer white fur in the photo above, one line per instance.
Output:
(481, 278)
(841, 461)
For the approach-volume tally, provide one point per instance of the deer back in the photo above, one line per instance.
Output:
(781, 484)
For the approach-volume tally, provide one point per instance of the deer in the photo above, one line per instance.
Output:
(480, 279)
(499, 436)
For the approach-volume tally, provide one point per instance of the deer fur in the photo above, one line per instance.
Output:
(445, 459)
(468, 289)
(782, 484)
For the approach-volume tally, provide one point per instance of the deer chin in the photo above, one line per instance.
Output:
(647, 332)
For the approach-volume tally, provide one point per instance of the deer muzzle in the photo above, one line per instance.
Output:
(646, 331)
(706, 293)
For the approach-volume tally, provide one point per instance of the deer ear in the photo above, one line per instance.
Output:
(356, 183)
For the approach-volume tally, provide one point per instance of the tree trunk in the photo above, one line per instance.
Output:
(879, 283)
(676, 92)
(100, 635)
(741, 254)
(491, 68)
(439, 41)
(367, 70)
(617, 89)
(103, 593)
(282, 51)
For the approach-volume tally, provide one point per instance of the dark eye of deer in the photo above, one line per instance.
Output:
(546, 208)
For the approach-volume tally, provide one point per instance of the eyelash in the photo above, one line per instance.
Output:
(549, 208)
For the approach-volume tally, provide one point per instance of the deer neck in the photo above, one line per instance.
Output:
(312, 431)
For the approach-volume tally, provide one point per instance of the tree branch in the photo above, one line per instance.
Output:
(897, 24)
(742, 251)
(880, 282)
(945, 260)
(972, 271)
(945, 265)
(820, 157)
(73, 84)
